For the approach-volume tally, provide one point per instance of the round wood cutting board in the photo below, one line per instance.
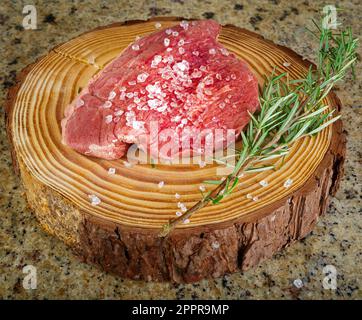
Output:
(121, 233)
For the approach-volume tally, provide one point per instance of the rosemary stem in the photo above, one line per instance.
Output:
(167, 228)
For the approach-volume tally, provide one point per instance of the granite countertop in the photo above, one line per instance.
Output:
(336, 240)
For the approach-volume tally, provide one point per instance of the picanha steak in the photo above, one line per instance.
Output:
(163, 90)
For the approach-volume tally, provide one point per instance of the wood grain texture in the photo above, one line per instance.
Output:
(120, 234)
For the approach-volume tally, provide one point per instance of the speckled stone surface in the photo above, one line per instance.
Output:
(335, 241)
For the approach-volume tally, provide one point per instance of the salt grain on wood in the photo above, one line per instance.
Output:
(263, 183)
(94, 200)
(111, 170)
(215, 245)
(288, 183)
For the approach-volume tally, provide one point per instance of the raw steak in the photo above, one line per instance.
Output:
(181, 79)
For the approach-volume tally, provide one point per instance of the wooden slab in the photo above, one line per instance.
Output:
(121, 233)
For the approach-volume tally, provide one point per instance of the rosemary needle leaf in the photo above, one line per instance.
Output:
(324, 125)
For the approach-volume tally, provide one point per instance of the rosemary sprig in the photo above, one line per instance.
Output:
(289, 111)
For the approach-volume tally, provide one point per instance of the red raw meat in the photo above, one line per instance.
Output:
(181, 78)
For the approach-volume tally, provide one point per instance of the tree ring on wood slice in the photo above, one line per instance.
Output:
(121, 233)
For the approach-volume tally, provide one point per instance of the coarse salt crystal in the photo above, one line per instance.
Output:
(127, 164)
(94, 200)
(286, 64)
(249, 196)
(168, 31)
(178, 213)
(118, 113)
(156, 60)
(80, 103)
(209, 81)
(122, 89)
(202, 164)
(233, 76)
(202, 188)
(158, 25)
(255, 198)
(212, 51)
(288, 183)
(112, 95)
(161, 184)
(109, 118)
(129, 95)
(135, 47)
(132, 83)
(224, 51)
(184, 24)
(176, 118)
(177, 196)
(298, 283)
(153, 103)
(181, 42)
(166, 42)
(162, 108)
(196, 74)
(186, 221)
(152, 88)
(91, 60)
(182, 206)
(195, 53)
(137, 125)
(218, 76)
(263, 183)
(111, 170)
(181, 50)
(142, 77)
(175, 33)
(215, 245)
(107, 104)
(183, 66)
